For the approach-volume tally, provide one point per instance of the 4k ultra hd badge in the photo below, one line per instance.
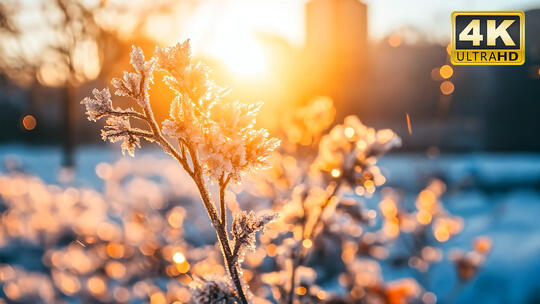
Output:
(488, 38)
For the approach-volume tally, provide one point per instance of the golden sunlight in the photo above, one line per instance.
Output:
(231, 37)
(247, 61)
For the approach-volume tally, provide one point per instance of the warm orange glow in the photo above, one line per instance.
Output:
(388, 208)
(349, 132)
(307, 243)
(482, 244)
(12, 291)
(68, 284)
(301, 290)
(178, 258)
(251, 62)
(175, 219)
(53, 74)
(233, 40)
(271, 249)
(357, 292)
(409, 127)
(423, 217)
(106, 231)
(447, 87)
(391, 229)
(394, 40)
(115, 251)
(158, 298)
(96, 285)
(29, 122)
(349, 252)
(335, 172)
(248, 275)
(441, 233)
(183, 267)
(115, 269)
(446, 71)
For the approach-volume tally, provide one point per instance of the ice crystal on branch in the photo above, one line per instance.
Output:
(129, 85)
(98, 106)
(175, 59)
(118, 128)
(244, 227)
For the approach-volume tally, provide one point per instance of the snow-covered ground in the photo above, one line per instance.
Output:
(498, 195)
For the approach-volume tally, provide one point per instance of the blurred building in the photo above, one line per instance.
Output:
(513, 114)
(492, 108)
(473, 108)
(336, 47)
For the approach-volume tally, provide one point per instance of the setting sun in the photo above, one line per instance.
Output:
(232, 37)
(243, 56)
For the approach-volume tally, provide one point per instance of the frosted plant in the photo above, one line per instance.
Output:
(214, 139)
(350, 150)
(244, 227)
(316, 183)
(306, 182)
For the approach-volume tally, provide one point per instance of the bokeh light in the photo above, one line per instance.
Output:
(447, 87)
(29, 122)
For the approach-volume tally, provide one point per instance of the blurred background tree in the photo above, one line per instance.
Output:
(67, 43)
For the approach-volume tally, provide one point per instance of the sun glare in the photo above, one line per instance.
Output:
(247, 61)
(231, 36)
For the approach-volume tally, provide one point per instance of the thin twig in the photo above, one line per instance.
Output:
(129, 113)
(221, 232)
(222, 187)
(298, 257)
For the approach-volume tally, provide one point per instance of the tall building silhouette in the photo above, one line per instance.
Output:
(336, 46)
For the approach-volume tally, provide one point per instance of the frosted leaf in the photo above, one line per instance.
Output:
(259, 145)
(129, 85)
(174, 59)
(172, 83)
(137, 59)
(98, 106)
(119, 128)
(244, 227)
(182, 122)
(144, 70)
(169, 128)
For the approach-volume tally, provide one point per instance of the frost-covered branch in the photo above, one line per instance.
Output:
(244, 227)
(217, 138)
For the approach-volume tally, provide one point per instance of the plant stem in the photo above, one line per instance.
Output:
(197, 175)
(298, 257)
(221, 231)
(222, 237)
